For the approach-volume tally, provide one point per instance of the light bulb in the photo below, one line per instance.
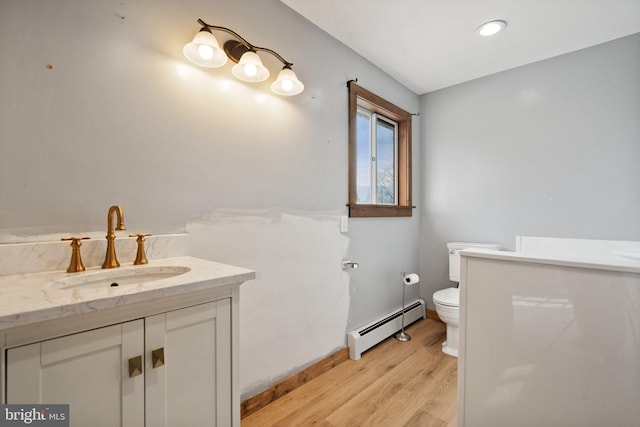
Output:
(286, 85)
(250, 70)
(205, 52)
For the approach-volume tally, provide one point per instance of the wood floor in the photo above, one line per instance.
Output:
(394, 384)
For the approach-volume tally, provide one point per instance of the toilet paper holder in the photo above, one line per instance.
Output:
(407, 280)
(346, 264)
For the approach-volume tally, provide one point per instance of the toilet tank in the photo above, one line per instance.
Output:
(454, 257)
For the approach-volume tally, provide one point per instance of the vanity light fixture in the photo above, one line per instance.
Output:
(492, 27)
(205, 51)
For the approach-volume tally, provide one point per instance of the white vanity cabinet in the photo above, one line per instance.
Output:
(191, 384)
(149, 352)
(87, 370)
(171, 369)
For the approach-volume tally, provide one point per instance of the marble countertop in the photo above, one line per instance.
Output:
(36, 297)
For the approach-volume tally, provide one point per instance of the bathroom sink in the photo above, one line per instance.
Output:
(120, 277)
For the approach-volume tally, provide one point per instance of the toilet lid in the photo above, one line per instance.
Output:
(449, 296)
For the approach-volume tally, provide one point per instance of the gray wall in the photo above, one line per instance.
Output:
(121, 117)
(547, 149)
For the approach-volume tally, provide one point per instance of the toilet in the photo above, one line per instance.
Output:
(447, 300)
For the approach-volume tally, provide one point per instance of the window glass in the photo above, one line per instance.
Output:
(385, 162)
(363, 178)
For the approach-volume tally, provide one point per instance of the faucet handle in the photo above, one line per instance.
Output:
(141, 258)
(76, 260)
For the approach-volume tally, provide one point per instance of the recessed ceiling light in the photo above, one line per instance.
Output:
(490, 28)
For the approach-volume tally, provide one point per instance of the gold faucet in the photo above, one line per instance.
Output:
(110, 259)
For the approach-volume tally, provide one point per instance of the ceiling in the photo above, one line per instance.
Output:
(431, 44)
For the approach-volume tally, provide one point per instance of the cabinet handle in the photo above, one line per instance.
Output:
(135, 366)
(157, 357)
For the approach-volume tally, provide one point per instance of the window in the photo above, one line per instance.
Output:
(377, 147)
(379, 156)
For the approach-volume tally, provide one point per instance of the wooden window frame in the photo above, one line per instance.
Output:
(358, 96)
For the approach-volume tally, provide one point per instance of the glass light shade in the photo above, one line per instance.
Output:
(490, 28)
(205, 51)
(287, 83)
(250, 68)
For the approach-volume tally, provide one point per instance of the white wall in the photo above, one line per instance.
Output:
(547, 149)
(298, 305)
(121, 117)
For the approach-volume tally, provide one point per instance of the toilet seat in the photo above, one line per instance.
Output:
(449, 297)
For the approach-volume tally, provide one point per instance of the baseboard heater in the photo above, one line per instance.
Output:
(371, 334)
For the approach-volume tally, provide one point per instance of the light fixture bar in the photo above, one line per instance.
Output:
(242, 40)
(205, 51)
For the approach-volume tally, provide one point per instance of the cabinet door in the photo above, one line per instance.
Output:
(89, 371)
(192, 386)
